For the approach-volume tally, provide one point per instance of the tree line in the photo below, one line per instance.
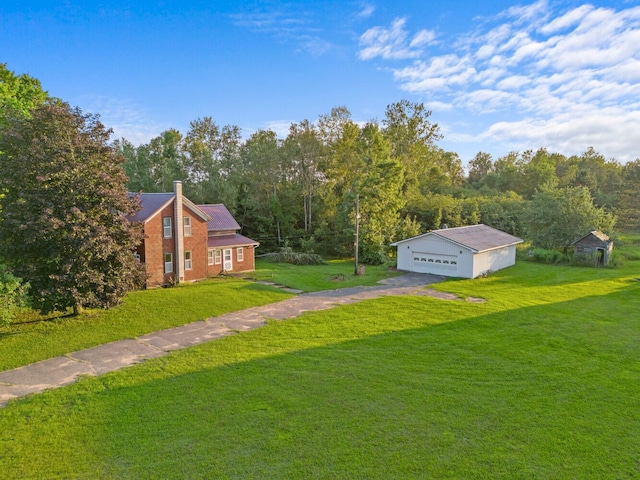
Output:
(300, 191)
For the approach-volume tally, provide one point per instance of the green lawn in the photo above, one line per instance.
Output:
(312, 278)
(32, 339)
(541, 381)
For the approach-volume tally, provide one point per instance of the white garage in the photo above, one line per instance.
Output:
(465, 252)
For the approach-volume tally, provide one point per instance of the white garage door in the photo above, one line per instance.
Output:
(437, 263)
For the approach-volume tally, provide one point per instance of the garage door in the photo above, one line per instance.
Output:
(424, 262)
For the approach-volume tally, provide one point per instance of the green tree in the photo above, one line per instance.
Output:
(266, 204)
(556, 217)
(63, 227)
(138, 166)
(479, 167)
(628, 208)
(18, 94)
(210, 155)
(380, 190)
(304, 150)
(412, 137)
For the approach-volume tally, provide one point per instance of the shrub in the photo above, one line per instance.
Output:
(13, 295)
(287, 255)
(548, 256)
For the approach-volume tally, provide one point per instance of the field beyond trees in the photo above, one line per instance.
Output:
(541, 381)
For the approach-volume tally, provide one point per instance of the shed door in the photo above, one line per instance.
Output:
(424, 262)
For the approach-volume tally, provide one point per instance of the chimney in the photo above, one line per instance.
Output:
(179, 216)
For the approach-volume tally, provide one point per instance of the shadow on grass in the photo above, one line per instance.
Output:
(390, 388)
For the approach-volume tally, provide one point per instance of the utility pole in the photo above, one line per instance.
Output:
(355, 243)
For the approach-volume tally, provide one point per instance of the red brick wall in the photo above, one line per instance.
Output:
(155, 246)
(247, 265)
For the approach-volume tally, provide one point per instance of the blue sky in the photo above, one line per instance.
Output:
(497, 75)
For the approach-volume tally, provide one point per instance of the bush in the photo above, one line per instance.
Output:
(287, 255)
(13, 295)
(548, 256)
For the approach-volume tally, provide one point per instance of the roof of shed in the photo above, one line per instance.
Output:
(478, 238)
(221, 219)
(596, 233)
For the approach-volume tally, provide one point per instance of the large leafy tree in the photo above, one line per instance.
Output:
(555, 217)
(63, 226)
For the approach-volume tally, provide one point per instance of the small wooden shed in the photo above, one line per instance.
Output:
(594, 243)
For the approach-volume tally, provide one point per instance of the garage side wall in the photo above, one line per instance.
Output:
(494, 260)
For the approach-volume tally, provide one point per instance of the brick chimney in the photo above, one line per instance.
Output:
(179, 216)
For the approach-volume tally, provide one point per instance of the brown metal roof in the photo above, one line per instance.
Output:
(478, 238)
(150, 203)
(221, 219)
(236, 240)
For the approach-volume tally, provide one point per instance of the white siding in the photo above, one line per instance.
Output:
(468, 265)
(494, 260)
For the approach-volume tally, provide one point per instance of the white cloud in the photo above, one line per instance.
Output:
(439, 106)
(572, 134)
(367, 11)
(573, 75)
(285, 25)
(127, 119)
(280, 127)
(393, 43)
(567, 20)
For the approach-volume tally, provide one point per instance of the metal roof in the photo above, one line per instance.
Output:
(236, 240)
(152, 203)
(478, 238)
(221, 219)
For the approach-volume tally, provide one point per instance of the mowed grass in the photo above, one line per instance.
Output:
(31, 338)
(541, 381)
(312, 278)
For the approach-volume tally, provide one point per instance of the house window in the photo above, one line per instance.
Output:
(166, 227)
(168, 262)
(240, 254)
(218, 257)
(211, 255)
(188, 264)
(187, 226)
(227, 255)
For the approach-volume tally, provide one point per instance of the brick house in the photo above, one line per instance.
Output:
(184, 242)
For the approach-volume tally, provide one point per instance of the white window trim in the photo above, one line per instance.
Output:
(187, 226)
(211, 255)
(166, 228)
(218, 256)
(188, 260)
(227, 255)
(240, 254)
(168, 266)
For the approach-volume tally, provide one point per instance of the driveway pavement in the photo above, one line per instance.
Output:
(63, 370)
